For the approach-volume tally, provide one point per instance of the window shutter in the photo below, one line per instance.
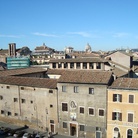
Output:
(120, 98)
(113, 116)
(120, 116)
(114, 97)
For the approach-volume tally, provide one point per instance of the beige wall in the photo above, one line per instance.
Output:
(124, 107)
(86, 100)
(35, 111)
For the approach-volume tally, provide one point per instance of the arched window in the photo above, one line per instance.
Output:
(116, 133)
(129, 133)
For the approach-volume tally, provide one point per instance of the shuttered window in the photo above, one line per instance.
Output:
(130, 117)
(131, 98)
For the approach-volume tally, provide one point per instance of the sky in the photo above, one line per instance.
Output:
(104, 24)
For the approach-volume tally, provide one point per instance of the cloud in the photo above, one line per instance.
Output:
(83, 34)
(11, 36)
(120, 35)
(46, 35)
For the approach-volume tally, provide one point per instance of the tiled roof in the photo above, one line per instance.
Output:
(119, 72)
(29, 70)
(95, 59)
(125, 83)
(86, 76)
(29, 81)
(55, 71)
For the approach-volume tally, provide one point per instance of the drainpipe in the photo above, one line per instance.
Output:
(20, 110)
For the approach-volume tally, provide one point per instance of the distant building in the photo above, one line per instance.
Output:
(88, 48)
(18, 62)
(68, 50)
(43, 50)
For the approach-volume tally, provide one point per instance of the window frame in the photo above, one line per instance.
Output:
(117, 97)
(65, 109)
(91, 91)
(89, 111)
(103, 110)
(130, 98)
(76, 88)
(129, 119)
(81, 110)
(63, 88)
(1, 97)
(23, 101)
(65, 125)
(82, 127)
(117, 115)
(15, 100)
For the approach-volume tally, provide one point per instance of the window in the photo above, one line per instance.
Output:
(82, 110)
(52, 121)
(82, 127)
(1, 97)
(63, 88)
(116, 133)
(91, 111)
(98, 128)
(101, 112)
(91, 90)
(9, 113)
(91, 65)
(51, 105)
(50, 91)
(22, 88)
(130, 117)
(98, 134)
(2, 111)
(117, 116)
(84, 65)
(77, 65)
(129, 133)
(15, 114)
(15, 99)
(64, 107)
(54, 65)
(71, 65)
(117, 97)
(131, 98)
(75, 89)
(8, 87)
(23, 100)
(64, 125)
(98, 66)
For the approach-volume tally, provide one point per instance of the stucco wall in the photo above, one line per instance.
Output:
(86, 100)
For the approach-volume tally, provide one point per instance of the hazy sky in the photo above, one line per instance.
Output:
(104, 24)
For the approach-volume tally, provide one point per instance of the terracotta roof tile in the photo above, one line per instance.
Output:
(125, 83)
(55, 71)
(28, 81)
(13, 72)
(86, 76)
(92, 59)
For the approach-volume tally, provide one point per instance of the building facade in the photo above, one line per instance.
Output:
(82, 97)
(32, 101)
(122, 116)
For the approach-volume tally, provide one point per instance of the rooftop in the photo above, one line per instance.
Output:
(125, 83)
(85, 76)
(29, 81)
